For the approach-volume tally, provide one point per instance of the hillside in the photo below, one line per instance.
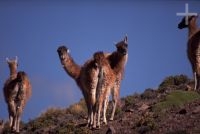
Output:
(170, 109)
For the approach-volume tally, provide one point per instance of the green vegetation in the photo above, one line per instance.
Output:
(129, 100)
(176, 99)
(118, 111)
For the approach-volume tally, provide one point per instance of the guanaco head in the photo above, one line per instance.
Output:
(63, 53)
(191, 20)
(12, 63)
(122, 46)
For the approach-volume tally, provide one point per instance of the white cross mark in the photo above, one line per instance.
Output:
(186, 14)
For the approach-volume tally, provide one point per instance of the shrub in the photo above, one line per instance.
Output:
(174, 81)
(65, 128)
(149, 94)
(118, 111)
(146, 120)
(129, 100)
(82, 130)
(6, 128)
(53, 112)
(47, 119)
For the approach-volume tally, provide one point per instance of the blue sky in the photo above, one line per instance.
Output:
(33, 30)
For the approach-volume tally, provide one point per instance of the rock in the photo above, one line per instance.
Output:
(143, 129)
(189, 88)
(143, 107)
(182, 111)
(130, 110)
(111, 130)
(196, 110)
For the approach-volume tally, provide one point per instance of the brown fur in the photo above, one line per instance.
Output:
(105, 84)
(193, 47)
(86, 77)
(12, 64)
(112, 65)
(68, 63)
(17, 91)
(118, 61)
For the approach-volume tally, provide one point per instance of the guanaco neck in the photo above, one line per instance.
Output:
(118, 62)
(71, 68)
(13, 72)
(193, 28)
(121, 64)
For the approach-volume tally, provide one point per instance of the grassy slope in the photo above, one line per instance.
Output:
(176, 99)
(128, 119)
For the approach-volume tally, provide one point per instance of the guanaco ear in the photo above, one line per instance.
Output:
(126, 39)
(68, 51)
(16, 59)
(197, 15)
(7, 59)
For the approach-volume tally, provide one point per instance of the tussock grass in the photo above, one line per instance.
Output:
(78, 108)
